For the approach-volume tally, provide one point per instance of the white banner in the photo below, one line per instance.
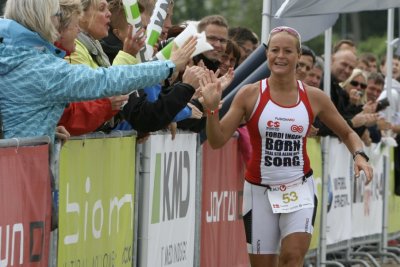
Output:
(297, 8)
(339, 197)
(367, 200)
(171, 226)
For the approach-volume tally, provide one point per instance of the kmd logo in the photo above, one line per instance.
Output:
(172, 169)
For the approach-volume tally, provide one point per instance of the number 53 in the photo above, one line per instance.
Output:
(287, 197)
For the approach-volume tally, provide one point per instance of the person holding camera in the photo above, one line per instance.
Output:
(363, 112)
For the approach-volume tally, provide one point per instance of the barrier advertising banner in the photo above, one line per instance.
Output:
(96, 196)
(314, 153)
(367, 207)
(223, 240)
(339, 198)
(394, 200)
(25, 206)
(171, 216)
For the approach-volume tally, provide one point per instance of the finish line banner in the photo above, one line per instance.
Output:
(96, 210)
(25, 206)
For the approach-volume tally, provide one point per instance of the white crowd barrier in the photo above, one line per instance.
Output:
(172, 203)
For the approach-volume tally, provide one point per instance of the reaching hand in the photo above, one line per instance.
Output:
(354, 96)
(196, 113)
(211, 90)
(172, 128)
(117, 102)
(192, 76)
(62, 134)
(360, 164)
(313, 131)
(370, 107)
(133, 43)
(226, 79)
(181, 56)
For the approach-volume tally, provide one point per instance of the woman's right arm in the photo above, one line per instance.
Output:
(219, 132)
(65, 82)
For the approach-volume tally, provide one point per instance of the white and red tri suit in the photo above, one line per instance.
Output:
(278, 137)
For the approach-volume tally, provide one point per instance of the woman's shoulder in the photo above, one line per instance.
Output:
(313, 91)
(81, 55)
(250, 88)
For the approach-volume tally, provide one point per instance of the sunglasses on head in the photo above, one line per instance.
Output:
(356, 84)
(286, 29)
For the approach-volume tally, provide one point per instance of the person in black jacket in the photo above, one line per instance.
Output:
(343, 63)
(145, 116)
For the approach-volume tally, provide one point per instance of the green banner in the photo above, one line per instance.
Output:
(394, 200)
(96, 204)
(314, 153)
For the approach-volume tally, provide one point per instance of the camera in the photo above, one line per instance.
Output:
(382, 104)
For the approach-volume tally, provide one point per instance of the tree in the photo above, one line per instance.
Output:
(245, 13)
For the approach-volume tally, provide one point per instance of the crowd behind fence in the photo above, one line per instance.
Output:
(170, 203)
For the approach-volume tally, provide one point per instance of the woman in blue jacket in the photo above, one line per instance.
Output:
(37, 83)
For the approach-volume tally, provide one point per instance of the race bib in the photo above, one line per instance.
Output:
(290, 198)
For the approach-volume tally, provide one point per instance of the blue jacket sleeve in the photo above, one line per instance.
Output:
(185, 113)
(63, 82)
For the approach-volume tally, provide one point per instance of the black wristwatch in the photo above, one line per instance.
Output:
(362, 154)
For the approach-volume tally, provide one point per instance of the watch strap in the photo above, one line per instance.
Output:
(361, 153)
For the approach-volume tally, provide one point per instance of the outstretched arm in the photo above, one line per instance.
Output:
(219, 132)
(328, 114)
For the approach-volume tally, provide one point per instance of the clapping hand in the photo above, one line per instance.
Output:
(181, 56)
(211, 90)
(133, 43)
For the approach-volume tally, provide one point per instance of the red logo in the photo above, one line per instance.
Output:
(282, 187)
(297, 128)
(275, 124)
(276, 206)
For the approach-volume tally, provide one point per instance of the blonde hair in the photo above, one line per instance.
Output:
(86, 4)
(36, 15)
(288, 30)
(68, 9)
(85, 21)
(356, 73)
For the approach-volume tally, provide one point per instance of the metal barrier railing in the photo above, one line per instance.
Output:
(365, 250)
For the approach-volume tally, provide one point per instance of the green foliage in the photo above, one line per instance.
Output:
(245, 13)
(374, 44)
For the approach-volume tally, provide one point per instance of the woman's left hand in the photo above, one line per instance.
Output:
(62, 134)
(361, 164)
(133, 43)
(226, 79)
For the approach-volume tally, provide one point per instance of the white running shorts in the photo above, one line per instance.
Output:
(264, 229)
